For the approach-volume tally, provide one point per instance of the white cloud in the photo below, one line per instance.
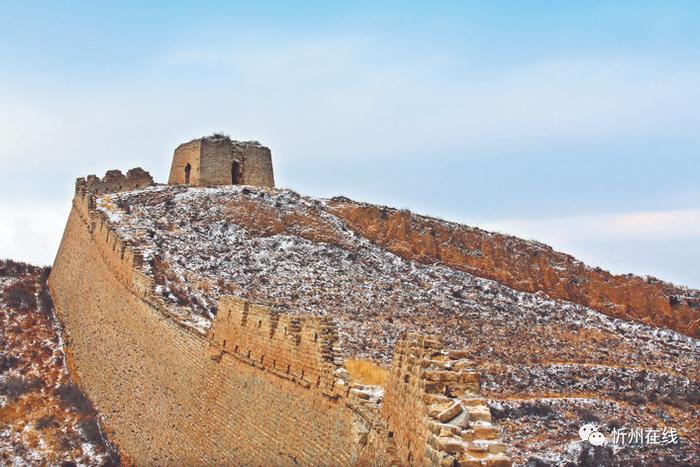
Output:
(351, 97)
(311, 95)
(31, 231)
(646, 226)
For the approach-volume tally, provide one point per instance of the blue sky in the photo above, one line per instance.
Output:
(577, 125)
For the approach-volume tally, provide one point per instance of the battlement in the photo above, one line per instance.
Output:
(302, 349)
(115, 181)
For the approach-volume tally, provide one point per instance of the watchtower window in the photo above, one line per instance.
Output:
(188, 169)
(235, 172)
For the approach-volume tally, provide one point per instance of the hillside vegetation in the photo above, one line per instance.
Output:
(45, 419)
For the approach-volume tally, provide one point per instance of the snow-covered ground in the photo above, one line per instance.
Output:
(278, 246)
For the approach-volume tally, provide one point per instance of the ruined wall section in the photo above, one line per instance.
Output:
(433, 409)
(115, 181)
(121, 258)
(171, 396)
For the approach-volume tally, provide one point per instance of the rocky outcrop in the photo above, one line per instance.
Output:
(523, 265)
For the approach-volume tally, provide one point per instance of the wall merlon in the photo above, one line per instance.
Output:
(80, 186)
(299, 347)
(123, 259)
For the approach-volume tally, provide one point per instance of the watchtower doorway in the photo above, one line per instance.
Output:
(188, 169)
(235, 173)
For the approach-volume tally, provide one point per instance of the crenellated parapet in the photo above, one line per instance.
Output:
(122, 258)
(433, 409)
(302, 349)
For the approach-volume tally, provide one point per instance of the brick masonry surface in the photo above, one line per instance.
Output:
(213, 161)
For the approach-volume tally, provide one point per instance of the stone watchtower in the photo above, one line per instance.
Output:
(219, 160)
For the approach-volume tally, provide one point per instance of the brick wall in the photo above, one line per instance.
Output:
(257, 166)
(433, 410)
(215, 160)
(301, 349)
(166, 397)
(264, 387)
(186, 153)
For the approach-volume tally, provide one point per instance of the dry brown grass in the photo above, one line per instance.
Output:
(366, 372)
(107, 202)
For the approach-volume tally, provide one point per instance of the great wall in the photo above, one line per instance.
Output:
(268, 385)
(263, 387)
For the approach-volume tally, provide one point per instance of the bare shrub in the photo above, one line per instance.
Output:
(90, 430)
(124, 205)
(67, 443)
(45, 303)
(20, 296)
(72, 398)
(527, 409)
(9, 268)
(15, 387)
(164, 275)
(44, 275)
(47, 421)
(161, 270)
(7, 362)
